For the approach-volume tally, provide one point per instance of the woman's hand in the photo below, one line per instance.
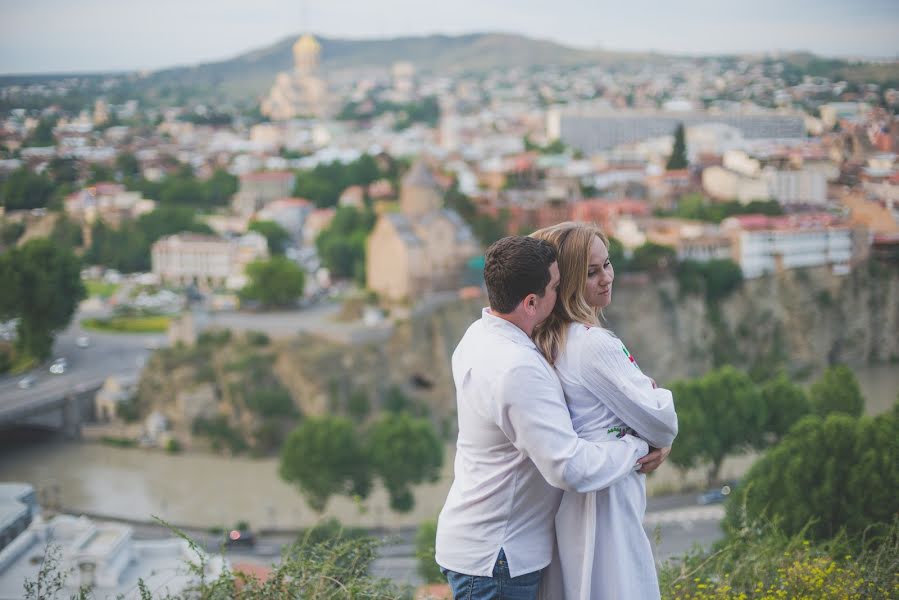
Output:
(651, 461)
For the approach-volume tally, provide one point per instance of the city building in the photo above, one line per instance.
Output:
(289, 213)
(595, 130)
(114, 392)
(18, 508)
(725, 184)
(421, 248)
(301, 92)
(100, 556)
(109, 202)
(258, 189)
(205, 260)
(763, 244)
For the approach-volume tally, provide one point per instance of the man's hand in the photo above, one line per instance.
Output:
(651, 461)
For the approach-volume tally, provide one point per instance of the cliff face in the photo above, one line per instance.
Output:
(801, 320)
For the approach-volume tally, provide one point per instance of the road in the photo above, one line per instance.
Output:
(674, 524)
(108, 354)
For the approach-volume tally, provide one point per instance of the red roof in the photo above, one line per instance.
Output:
(787, 222)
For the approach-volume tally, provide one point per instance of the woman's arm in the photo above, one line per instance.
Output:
(609, 372)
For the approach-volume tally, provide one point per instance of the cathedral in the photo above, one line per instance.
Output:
(301, 92)
(423, 247)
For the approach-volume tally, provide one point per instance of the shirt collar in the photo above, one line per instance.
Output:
(508, 330)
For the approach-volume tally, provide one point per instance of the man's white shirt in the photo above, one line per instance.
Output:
(515, 454)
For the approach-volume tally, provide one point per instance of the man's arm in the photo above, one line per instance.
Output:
(533, 415)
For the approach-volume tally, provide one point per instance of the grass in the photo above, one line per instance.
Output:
(100, 288)
(149, 324)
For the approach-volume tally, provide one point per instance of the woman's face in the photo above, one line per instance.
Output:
(600, 274)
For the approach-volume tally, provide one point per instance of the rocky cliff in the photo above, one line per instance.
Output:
(800, 320)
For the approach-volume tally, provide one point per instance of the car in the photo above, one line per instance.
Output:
(240, 538)
(27, 382)
(716, 495)
(82, 341)
(59, 366)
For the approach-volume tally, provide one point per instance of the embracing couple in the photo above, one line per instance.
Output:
(557, 426)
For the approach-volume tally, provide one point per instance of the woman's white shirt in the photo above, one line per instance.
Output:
(604, 388)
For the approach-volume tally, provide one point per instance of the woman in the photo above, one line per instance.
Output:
(603, 551)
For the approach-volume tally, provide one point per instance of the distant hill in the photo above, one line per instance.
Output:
(254, 71)
(244, 78)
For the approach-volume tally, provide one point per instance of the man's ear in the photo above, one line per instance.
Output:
(530, 303)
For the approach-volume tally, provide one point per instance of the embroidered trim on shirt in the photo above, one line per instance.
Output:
(620, 432)
(630, 356)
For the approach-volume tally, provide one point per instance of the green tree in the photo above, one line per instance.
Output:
(220, 187)
(719, 414)
(341, 245)
(404, 451)
(678, 158)
(63, 170)
(42, 287)
(653, 257)
(831, 474)
(42, 135)
(323, 457)
(425, 544)
(275, 282)
(24, 189)
(616, 255)
(99, 173)
(786, 403)
(126, 164)
(276, 236)
(837, 391)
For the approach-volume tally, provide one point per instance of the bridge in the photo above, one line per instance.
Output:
(64, 410)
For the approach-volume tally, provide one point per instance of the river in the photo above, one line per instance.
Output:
(213, 491)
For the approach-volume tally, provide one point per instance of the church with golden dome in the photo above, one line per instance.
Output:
(300, 92)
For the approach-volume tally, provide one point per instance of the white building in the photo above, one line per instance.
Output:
(101, 556)
(289, 213)
(763, 244)
(726, 184)
(206, 260)
(799, 186)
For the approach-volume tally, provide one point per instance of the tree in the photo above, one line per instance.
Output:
(403, 451)
(652, 257)
(425, 543)
(127, 164)
(341, 245)
(837, 391)
(275, 282)
(830, 474)
(24, 189)
(42, 287)
(220, 187)
(719, 414)
(276, 236)
(42, 134)
(786, 403)
(323, 457)
(678, 158)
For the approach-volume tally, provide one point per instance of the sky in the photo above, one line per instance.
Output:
(42, 36)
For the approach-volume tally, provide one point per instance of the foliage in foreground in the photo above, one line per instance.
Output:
(827, 475)
(762, 562)
(336, 567)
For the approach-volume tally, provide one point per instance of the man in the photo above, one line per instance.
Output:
(517, 449)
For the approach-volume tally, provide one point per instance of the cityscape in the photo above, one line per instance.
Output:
(230, 293)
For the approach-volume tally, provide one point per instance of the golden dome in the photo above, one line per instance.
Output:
(306, 45)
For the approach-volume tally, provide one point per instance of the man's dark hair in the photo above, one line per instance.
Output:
(514, 267)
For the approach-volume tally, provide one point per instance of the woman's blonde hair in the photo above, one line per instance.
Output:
(573, 242)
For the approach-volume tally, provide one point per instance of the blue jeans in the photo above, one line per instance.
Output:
(499, 587)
